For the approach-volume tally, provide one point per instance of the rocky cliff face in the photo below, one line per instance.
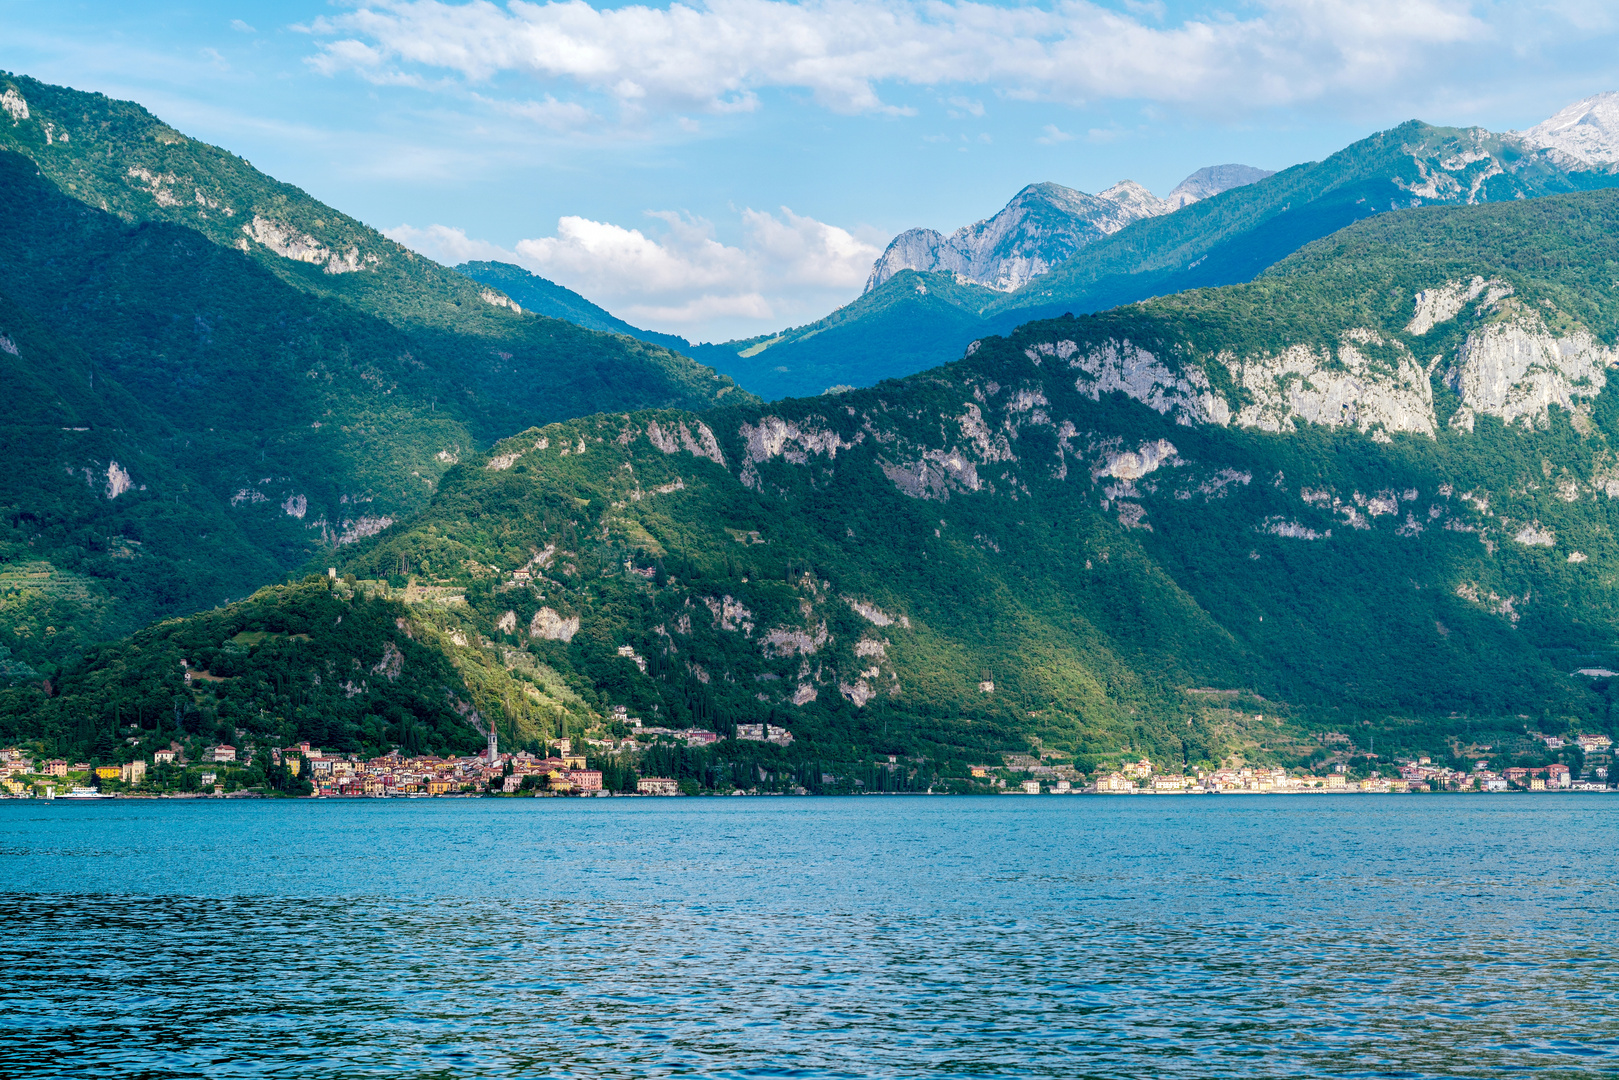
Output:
(1511, 364)
(1041, 227)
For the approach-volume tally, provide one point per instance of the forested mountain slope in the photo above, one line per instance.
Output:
(219, 377)
(1376, 486)
(546, 297)
(320, 661)
(904, 326)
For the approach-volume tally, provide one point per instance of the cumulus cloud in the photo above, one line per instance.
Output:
(677, 276)
(718, 55)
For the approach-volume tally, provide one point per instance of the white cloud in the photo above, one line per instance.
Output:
(1053, 135)
(681, 278)
(242, 27)
(448, 246)
(595, 257)
(718, 56)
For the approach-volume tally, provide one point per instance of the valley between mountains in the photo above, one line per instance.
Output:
(1318, 465)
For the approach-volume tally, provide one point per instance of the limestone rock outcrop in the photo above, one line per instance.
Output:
(1517, 369)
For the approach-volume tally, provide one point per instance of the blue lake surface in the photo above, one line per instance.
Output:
(880, 937)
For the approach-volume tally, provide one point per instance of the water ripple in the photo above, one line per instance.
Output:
(811, 938)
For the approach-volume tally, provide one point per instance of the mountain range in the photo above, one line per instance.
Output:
(1053, 250)
(1365, 493)
(915, 319)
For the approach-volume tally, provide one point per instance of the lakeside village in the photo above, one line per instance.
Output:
(607, 767)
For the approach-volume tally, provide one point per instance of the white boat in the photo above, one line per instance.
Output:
(84, 793)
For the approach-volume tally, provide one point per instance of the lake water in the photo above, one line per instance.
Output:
(881, 937)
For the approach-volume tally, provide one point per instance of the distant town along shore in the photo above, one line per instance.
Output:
(607, 767)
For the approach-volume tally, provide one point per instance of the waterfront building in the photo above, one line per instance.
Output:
(657, 785)
(585, 779)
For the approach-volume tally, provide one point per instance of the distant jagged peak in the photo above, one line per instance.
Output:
(1135, 200)
(1041, 227)
(1213, 180)
(1587, 130)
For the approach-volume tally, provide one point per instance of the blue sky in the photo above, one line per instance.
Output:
(731, 167)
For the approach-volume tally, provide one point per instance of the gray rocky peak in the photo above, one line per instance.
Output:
(1135, 200)
(1041, 227)
(1211, 181)
(1587, 130)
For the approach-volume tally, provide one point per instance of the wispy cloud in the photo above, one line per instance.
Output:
(718, 56)
(677, 275)
(1053, 135)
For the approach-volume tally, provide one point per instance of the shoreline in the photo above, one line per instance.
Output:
(260, 797)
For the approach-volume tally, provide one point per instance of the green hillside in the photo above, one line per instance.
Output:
(1220, 524)
(203, 332)
(888, 333)
(1095, 559)
(1224, 240)
(319, 661)
(545, 297)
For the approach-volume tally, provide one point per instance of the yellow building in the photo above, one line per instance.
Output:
(108, 772)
